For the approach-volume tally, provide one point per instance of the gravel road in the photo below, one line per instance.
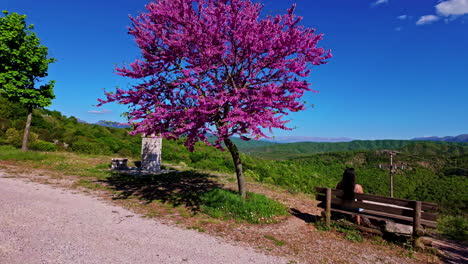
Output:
(41, 224)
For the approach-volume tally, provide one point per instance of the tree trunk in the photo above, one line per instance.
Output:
(237, 163)
(26, 130)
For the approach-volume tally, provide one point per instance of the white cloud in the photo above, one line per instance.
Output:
(428, 19)
(398, 28)
(402, 17)
(99, 112)
(452, 8)
(379, 2)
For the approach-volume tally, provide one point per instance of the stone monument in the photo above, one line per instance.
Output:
(151, 154)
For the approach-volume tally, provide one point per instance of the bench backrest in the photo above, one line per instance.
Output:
(382, 207)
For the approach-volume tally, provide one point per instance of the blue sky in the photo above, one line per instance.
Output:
(400, 68)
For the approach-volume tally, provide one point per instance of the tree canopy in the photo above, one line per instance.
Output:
(216, 67)
(23, 62)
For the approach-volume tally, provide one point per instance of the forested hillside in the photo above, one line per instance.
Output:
(431, 171)
(49, 127)
(291, 150)
(427, 177)
(459, 138)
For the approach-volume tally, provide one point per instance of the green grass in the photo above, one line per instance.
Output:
(90, 185)
(100, 171)
(12, 153)
(256, 209)
(198, 228)
(349, 232)
(275, 241)
(455, 227)
(66, 163)
(353, 236)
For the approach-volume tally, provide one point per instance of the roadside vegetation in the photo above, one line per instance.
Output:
(255, 209)
(433, 171)
(190, 191)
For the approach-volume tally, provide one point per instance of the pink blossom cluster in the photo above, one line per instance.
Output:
(216, 67)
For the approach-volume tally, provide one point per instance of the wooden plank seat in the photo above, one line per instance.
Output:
(416, 213)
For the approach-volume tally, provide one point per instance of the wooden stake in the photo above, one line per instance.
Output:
(417, 232)
(328, 208)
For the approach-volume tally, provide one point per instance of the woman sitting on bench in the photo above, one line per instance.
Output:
(349, 186)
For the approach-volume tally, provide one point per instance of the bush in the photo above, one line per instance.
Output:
(256, 208)
(41, 145)
(89, 148)
(124, 152)
(251, 175)
(15, 137)
(455, 227)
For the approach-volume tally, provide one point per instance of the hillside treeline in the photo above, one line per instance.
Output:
(286, 151)
(53, 131)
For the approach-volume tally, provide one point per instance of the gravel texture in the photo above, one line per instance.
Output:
(41, 224)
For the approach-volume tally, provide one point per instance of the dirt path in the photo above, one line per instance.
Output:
(41, 224)
(454, 253)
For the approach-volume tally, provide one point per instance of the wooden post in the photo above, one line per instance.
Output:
(391, 173)
(328, 208)
(417, 232)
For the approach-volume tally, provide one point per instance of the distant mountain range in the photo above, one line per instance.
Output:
(111, 124)
(295, 139)
(463, 138)
(459, 138)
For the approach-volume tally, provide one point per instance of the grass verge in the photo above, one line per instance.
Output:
(12, 153)
(455, 227)
(190, 190)
(350, 233)
(255, 209)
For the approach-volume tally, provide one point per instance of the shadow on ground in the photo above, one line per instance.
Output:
(176, 188)
(308, 218)
(453, 252)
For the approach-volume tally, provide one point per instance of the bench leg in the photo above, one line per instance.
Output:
(417, 231)
(328, 208)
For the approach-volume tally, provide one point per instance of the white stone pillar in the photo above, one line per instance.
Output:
(151, 154)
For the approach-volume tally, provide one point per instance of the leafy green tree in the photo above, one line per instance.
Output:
(23, 63)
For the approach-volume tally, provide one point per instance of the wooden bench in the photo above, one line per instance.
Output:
(415, 213)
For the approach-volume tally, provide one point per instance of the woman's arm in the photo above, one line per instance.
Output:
(358, 188)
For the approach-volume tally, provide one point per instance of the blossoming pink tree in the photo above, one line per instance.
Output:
(217, 67)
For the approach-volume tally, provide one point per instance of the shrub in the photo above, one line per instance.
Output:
(89, 148)
(455, 227)
(15, 137)
(124, 152)
(255, 209)
(43, 146)
(252, 175)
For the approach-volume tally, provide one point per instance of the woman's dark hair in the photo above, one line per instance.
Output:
(348, 182)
